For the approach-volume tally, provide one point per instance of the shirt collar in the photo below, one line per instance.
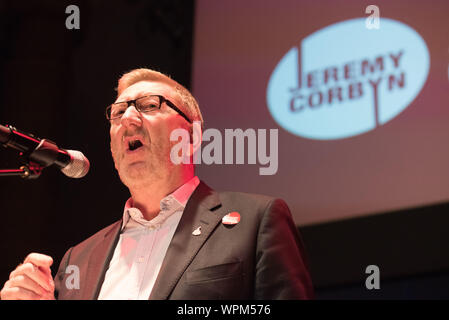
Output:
(173, 202)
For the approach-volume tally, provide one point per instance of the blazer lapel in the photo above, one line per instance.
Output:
(99, 262)
(200, 211)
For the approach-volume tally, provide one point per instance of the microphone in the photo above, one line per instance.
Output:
(45, 152)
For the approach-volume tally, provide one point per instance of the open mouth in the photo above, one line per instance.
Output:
(134, 144)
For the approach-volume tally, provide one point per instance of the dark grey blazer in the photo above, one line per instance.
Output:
(261, 257)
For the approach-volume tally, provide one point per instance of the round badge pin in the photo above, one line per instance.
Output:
(231, 218)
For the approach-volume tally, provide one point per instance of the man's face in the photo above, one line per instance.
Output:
(151, 160)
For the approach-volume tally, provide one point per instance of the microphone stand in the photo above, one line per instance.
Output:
(45, 154)
(30, 170)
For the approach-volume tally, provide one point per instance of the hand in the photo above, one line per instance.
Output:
(31, 280)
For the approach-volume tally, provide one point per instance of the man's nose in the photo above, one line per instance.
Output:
(131, 117)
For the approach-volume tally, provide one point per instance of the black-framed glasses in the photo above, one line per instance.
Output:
(145, 104)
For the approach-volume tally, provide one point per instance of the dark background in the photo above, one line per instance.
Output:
(56, 82)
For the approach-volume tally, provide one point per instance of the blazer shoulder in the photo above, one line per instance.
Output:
(258, 202)
(251, 203)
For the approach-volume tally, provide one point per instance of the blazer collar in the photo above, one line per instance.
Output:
(99, 262)
(201, 211)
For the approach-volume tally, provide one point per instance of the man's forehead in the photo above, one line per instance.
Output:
(143, 88)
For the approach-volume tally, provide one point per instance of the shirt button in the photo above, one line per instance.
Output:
(140, 260)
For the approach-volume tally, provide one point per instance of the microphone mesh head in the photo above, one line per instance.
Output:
(79, 165)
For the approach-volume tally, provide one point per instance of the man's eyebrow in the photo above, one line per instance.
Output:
(138, 96)
(123, 100)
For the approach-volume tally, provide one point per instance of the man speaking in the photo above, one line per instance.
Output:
(178, 238)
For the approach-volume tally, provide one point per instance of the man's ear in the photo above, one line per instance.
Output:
(196, 137)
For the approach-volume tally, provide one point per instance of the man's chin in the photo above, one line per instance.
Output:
(136, 174)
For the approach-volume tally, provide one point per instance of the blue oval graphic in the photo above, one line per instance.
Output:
(346, 79)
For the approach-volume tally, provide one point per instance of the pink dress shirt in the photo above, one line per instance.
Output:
(142, 247)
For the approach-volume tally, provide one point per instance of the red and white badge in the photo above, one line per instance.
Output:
(231, 218)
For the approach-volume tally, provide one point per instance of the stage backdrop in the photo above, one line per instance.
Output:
(358, 95)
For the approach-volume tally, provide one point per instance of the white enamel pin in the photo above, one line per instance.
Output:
(197, 231)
